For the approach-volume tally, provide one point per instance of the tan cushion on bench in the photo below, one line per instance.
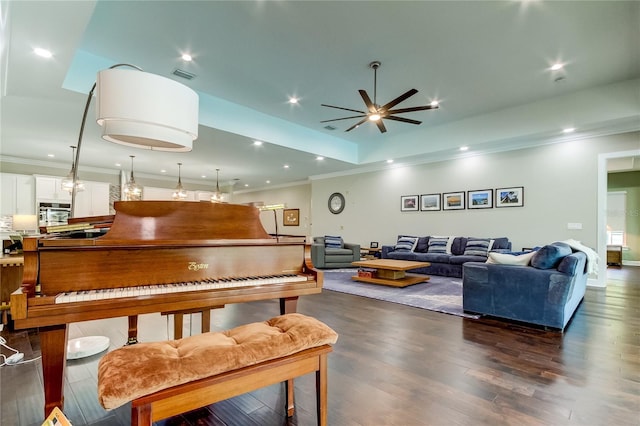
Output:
(132, 371)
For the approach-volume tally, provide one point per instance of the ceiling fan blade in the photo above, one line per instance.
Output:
(344, 118)
(380, 125)
(367, 101)
(346, 109)
(404, 120)
(357, 124)
(411, 109)
(399, 99)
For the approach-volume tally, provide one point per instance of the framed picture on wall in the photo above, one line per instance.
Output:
(409, 203)
(480, 199)
(453, 201)
(291, 217)
(510, 197)
(430, 202)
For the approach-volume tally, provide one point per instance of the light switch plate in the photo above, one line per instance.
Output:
(572, 225)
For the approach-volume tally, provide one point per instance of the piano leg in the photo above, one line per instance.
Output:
(53, 345)
(133, 330)
(288, 305)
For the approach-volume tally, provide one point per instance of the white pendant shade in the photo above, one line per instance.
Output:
(144, 110)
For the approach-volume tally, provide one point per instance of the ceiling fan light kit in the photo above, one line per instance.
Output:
(376, 113)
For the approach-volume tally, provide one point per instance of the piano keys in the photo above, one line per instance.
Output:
(157, 257)
(149, 290)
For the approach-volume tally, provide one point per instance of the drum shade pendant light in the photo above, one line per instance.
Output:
(179, 193)
(132, 191)
(143, 110)
(216, 197)
(68, 182)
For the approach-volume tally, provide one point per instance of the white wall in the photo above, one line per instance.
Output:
(294, 197)
(560, 186)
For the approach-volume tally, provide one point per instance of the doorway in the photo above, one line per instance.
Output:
(603, 172)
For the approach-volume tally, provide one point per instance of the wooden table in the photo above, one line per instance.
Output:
(392, 272)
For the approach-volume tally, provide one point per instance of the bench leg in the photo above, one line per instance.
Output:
(141, 416)
(321, 391)
(288, 390)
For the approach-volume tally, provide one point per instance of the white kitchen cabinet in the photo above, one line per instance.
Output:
(93, 201)
(18, 194)
(49, 189)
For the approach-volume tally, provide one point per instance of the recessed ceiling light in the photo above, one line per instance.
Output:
(319, 158)
(286, 166)
(50, 155)
(42, 52)
(246, 184)
(557, 66)
(257, 143)
(435, 103)
(268, 181)
(186, 57)
(203, 176)
(163, 171)
(569, 130)
(464, 148)
(389, 161)
(293, 100)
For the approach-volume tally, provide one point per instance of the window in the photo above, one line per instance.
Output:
(616, 218)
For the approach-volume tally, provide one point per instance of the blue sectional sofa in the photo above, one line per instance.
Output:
(446, 257)
(545, 291)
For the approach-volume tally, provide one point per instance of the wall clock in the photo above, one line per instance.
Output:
(336, 203)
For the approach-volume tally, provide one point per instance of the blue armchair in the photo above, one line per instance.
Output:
(332, 252)
(547, 292)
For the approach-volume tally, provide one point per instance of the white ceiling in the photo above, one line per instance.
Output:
(487, 62)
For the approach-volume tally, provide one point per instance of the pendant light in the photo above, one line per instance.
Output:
(179, 193)
(217, 196)
(67, 182)
(132, 191)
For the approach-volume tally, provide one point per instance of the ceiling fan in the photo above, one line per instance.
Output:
(377, 113)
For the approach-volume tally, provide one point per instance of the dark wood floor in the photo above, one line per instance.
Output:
(397, 365)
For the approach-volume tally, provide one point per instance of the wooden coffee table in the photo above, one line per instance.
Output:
(392, 272)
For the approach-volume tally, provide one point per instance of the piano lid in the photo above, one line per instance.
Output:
(184, 220)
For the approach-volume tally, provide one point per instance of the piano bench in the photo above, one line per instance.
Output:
(164, 379)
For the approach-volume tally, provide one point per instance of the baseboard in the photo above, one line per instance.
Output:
(631, 263)
(594, 282)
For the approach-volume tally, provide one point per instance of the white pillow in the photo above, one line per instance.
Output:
(509, 259)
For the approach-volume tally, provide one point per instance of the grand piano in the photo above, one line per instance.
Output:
(157, 256)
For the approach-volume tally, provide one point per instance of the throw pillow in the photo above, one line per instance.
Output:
(405, 243)
(510, 259)
(422, 245)
(500, 243)
(438, 245)
(477, 247)
(549, 256)
(332, 241)
(457, 245)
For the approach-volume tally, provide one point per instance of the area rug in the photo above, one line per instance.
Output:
(440, 294)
